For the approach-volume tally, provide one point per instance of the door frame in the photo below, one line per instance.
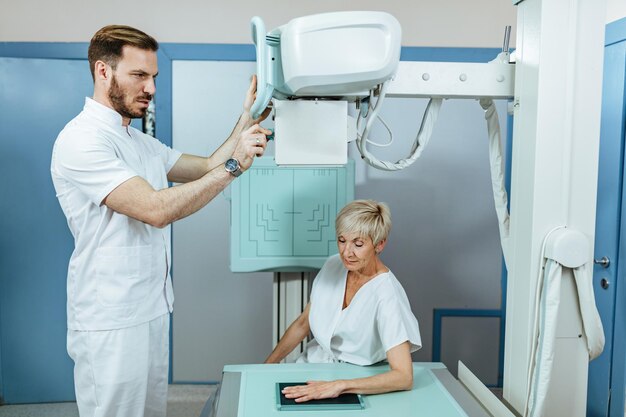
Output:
(616, 33)
(605, 391)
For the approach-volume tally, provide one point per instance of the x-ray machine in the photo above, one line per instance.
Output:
(554, 82)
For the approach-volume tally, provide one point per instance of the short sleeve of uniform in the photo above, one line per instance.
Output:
(396, 323)
(168, 155)
(89, 161)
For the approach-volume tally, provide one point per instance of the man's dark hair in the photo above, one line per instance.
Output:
(108, 43)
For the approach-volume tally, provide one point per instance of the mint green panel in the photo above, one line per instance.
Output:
(315, 209)
(267, 227)
(283, 218)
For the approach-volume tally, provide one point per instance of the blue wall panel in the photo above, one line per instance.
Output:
(37, 98)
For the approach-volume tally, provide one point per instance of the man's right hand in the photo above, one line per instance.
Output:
(251, 143)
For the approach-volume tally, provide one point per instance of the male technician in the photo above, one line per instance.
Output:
(112, 183)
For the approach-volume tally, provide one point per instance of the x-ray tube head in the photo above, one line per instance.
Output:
(341, 55)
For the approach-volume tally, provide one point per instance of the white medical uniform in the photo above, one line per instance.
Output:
(118, 281)
(378, 318)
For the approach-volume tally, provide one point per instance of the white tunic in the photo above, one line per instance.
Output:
(378, 318)
(118, 274)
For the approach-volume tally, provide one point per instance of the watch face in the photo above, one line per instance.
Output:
(231, 165)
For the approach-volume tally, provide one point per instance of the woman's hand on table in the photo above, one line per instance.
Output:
(315, 390)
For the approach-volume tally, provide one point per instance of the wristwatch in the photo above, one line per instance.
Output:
(232, 166)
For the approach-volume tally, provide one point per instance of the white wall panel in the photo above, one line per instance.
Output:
(219, 317)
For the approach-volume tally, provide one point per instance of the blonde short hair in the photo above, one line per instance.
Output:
(365, 217)
(108, 43)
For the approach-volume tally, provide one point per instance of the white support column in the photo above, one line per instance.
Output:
(291, 294)
(553, 182)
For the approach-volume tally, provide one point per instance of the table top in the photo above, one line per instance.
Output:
(250, 391)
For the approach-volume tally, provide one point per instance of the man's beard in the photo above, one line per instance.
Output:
(117, 96)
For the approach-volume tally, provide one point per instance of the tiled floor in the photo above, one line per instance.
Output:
(182, 401)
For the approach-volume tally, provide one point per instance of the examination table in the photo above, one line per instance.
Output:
(250, 391)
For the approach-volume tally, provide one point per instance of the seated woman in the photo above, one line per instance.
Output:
(358, 313)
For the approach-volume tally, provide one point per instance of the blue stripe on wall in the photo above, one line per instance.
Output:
(448, 54)
(615, 32)
(44, 50)
(163, 100)
(239, 52)
(209, 52)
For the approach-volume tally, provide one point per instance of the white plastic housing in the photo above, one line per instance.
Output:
(311, 132)
(338, 53)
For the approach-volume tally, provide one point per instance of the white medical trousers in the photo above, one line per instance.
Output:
(121, 373)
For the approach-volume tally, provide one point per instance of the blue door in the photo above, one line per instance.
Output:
(37, 98)
(606, 373)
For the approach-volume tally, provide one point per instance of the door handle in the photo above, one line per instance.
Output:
(604, 262)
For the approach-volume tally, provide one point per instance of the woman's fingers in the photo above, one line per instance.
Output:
(314, 390)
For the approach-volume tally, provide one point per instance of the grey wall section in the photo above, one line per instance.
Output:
(444, 246)
(220, 317)
(475, 341)
(454, 23)
(479, 23)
